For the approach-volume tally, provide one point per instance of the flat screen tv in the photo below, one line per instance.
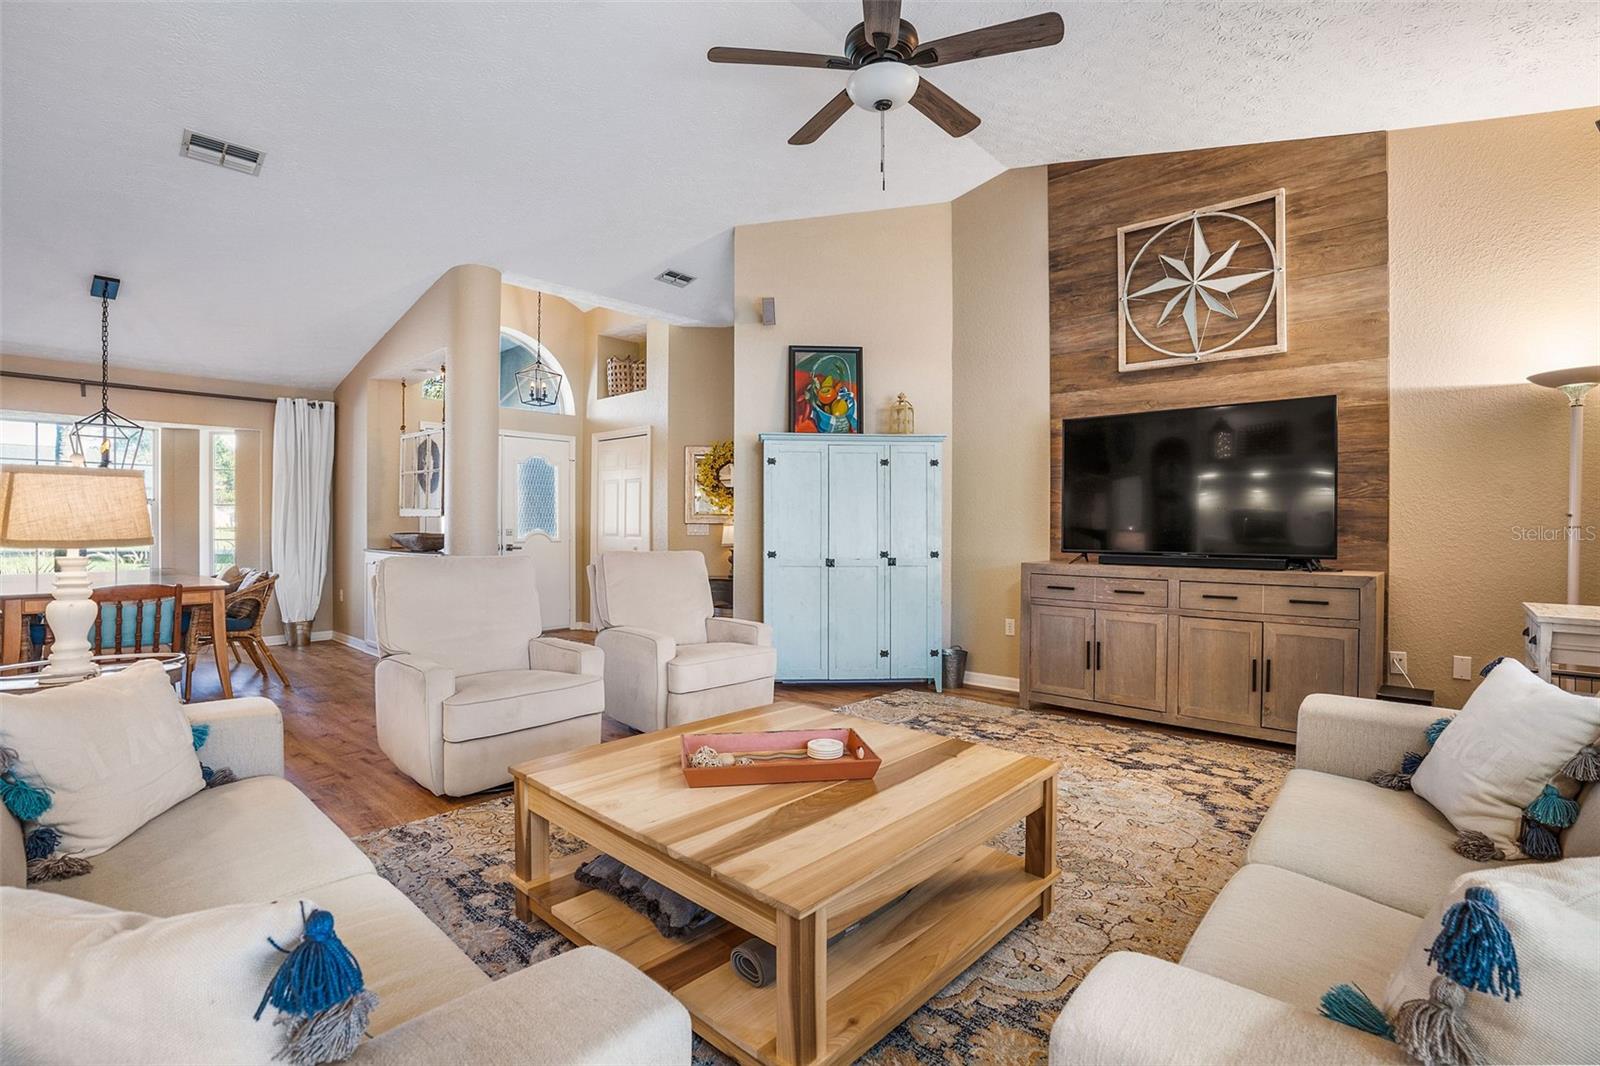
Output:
(1240, 481)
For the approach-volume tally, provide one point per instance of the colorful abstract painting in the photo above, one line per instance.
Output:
(825, 390)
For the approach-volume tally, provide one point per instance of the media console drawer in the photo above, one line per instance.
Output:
(1130, 592)
(1219, 596)
(1052, 588)
(1311, 602)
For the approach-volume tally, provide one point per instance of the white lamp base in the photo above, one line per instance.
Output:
(70, 614)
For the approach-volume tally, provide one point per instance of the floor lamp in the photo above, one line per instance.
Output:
(72, 507)
(1574, 384)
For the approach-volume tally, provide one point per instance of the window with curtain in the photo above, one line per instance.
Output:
(223, 539)
(46, 442)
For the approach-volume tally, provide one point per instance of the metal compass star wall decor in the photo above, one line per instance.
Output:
(1202, 285)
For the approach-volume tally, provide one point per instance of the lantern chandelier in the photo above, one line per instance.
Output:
(537, 384)
(115, 439)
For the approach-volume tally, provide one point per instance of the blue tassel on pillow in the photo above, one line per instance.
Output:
(1552, 809)
(1474, 947)
(1537, 842)
(199, 733)
(1409, 762)
(1490, 665)
(320, 989)
(42, 843)
(1348, 1005)
(24, 800)
(1435, 728)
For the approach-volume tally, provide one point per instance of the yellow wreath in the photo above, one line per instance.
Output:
(706, 469)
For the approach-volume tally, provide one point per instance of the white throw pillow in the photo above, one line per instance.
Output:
(1514, 735)
(1552, 915)
(85, 983)
(113, 752)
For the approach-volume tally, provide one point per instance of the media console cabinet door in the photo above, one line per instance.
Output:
(1219, 670)
(1131, 659)
(1061, 651)
(1301, 660)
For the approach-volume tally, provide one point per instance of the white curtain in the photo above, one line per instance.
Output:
(302, 504)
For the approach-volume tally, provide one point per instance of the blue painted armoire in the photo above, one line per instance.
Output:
(852, 541)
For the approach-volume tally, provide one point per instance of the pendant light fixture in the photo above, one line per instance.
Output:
(114, 439)
(537, 384)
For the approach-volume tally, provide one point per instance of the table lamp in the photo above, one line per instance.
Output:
(1574, 384)
(727, 540)
(73, 508)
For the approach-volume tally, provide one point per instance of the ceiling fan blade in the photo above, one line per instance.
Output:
(819, 123)
(1035, 31)
(767, 57)
(948, 115)
(882, 23)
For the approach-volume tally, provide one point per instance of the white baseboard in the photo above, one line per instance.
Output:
(994, 681)
(357, 643)
(281, 639)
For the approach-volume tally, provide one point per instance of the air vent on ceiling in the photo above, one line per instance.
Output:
(675, 278)
(221, 153)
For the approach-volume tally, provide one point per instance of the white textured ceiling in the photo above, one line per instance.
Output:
(586, 147)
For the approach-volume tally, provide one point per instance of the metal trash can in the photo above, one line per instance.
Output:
(955, 666)
(299, 634)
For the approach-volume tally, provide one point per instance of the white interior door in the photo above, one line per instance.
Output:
(622, 493)
(536, 516)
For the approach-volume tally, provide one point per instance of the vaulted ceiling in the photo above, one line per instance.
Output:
(584, 148)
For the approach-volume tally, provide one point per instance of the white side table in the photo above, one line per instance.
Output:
(1567, 634)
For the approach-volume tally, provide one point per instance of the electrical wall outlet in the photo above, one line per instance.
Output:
(1397, 662)
(1461, 667)
(1011, 627)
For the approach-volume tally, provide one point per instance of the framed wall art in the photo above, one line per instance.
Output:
(1203, 285)
(824, 390)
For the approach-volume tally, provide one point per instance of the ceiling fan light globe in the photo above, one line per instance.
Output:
(886, 80)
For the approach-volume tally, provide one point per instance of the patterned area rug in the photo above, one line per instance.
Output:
(1150, 826)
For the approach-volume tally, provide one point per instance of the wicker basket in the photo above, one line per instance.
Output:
(638, 376)
(619, 376)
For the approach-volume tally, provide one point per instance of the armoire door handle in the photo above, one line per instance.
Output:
(827, 562)
(893, 561)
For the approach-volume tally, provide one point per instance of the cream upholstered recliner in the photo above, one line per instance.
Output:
(668, 660)
(467, 687)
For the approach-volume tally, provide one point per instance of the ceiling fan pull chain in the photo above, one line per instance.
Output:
(883, 174)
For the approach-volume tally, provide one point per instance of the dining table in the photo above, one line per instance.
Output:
(23, 595)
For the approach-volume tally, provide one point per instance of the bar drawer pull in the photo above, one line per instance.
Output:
(1063, 588)
(1216, 596)
(1310, 603)
(1128, 592)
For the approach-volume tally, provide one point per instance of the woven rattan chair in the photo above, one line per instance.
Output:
(245, 611)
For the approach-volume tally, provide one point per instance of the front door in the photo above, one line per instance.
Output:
(536, 516)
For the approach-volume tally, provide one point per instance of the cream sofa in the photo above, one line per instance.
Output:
(260, 839)
(668, 659)
(467, 688)
(1334, 886)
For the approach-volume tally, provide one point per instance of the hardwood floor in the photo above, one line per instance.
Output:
(331, 742)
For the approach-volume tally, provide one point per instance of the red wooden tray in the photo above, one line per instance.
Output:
(847, 767)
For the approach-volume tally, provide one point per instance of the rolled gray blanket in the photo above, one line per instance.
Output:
(673, 915)
(756, 961)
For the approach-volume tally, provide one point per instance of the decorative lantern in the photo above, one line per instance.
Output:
(537, 384)
(902, 416)
(114, 439)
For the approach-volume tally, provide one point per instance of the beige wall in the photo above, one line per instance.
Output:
(181, 417)
(1494, 259)
(699, 411)
(1001, 371)
(880, 280)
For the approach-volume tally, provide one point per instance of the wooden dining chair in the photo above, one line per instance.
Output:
(244, 614)
(132, 618)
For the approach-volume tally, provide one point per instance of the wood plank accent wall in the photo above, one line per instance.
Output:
(1338, 289)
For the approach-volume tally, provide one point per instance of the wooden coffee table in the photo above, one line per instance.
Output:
(793, 864)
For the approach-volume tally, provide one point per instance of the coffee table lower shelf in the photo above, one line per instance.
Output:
(877, 975)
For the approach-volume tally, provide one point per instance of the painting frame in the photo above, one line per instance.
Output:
(697, 509)
(806, 415)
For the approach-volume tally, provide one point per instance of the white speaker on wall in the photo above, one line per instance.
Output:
(769, 311)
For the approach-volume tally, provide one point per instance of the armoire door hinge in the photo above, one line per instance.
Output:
(883, 462)
(933, 555)
(883, 555)
(933, 462)
(933, 653)
(771, 461)
(772, 555)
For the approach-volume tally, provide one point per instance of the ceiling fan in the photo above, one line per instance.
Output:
(886, 59)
